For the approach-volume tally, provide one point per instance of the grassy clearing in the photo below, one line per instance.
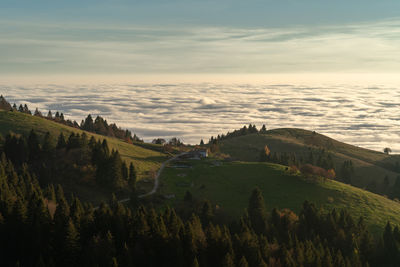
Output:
(230, 184)
(146, 161)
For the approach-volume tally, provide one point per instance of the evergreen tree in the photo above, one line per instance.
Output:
(61, 143)
(257, 211)
(195, 263)
(188, 197)
(88, 125)
(347, 171)
(47, 144)
(243, 262)
(114, 262)
(263, 129)
(115, 170)
(33, 145)
(132, 177)
(206, 213)
(26, 110)
(37, 113)
(228, 261)
(71, 245)
(124, 170)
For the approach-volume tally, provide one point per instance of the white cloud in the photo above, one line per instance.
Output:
(367, 116)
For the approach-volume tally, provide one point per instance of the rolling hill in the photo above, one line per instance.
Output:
(370, 166)
(146, 159)
(229, 184)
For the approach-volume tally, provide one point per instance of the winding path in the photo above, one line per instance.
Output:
(156, 178)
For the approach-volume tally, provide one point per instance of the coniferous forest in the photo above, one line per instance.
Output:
(41, 226)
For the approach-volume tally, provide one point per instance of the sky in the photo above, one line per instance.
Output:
(41, 38)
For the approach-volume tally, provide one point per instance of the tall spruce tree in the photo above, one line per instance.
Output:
(257, 211)
(61, 143)
(132, 177)
(243, 262)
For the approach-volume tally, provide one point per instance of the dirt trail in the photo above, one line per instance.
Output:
(156, 179)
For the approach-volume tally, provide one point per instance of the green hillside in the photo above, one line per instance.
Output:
(145, 160)
(369, 165)
(229, 184)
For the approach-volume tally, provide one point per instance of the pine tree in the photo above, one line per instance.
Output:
(243, 262)
(116, 179)
(206, 213)
(347, 171)
(228, 261)
(33, 145)
(71, 245)
(26, 109)
(132, 177)
(263, 129)
(61, 143)
(124, 170)
(114, 262)
(188, 197)
(195, 263)
(37, 113)
(88, 125)
(47, 144)
(257, 211)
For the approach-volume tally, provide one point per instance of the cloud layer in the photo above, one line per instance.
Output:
(363, 116)
(76, 49)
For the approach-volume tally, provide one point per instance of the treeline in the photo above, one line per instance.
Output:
(41, 227)
(99, 125)
(174, 141)
(76, 158)
(316, 163)
(245, 130)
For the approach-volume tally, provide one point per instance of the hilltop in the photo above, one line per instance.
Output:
(370, 167)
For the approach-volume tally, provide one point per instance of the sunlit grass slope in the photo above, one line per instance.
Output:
(369, 164)
(230, 184)
(146, 161)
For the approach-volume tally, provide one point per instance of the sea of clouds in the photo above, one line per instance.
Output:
(364, 116)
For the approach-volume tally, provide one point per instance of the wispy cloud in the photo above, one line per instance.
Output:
(38, 48)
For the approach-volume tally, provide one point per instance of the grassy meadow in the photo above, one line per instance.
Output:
(368, 164)
(229, 184)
